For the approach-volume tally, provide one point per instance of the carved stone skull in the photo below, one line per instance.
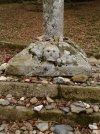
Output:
(51, 53)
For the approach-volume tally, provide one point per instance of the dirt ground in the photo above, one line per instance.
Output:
(20, 25)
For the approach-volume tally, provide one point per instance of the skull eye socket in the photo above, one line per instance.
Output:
(54, 51)
(48, 51)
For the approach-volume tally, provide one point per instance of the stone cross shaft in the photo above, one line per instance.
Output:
(53, 14)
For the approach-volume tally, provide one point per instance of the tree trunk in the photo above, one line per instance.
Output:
(53, 12)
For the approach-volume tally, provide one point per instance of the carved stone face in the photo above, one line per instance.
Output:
(51, 53)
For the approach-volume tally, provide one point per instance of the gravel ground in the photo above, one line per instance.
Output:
(22, 25)
(36, 126)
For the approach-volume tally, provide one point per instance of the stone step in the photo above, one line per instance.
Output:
(9, 114)
(88, 93)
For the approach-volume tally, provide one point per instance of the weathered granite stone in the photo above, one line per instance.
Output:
(50, 59)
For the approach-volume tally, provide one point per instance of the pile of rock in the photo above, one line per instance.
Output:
(41, 127)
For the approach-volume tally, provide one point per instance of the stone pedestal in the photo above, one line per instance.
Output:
(48, 58)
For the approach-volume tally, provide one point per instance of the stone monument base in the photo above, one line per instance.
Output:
(49, 58)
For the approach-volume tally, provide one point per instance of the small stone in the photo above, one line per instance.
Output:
(96, 108)
(21, 103)
(27, 80)
(67, 81)
(77, 107)
(88, 83)
(42, 126)
(80, 78)
(38, 108)
(34, 132)
(86, 105)
(79, 104)
(92, 60)
(13, 101)
(44, 82)
(3, 66)
(63, 129)
(61, 80)
(28, 126)
(22, 99)
(65, 109)
(4, 102)
(34, 100)
(17, 132)
(9, 97)
(28, 105)
(95, 132)
(49, 99)
(2, 127)
(3, 78)
(23, 128)
(93, 126)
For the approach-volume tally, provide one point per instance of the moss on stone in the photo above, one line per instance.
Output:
(13, 114)
(80, 78)
(80, 93)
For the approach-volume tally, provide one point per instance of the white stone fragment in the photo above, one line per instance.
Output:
(38, 108)
(86, 105)
(3, 78)
(3, 66)
(27, 80)
(34, 132)
(93, 126)
(22, 99)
